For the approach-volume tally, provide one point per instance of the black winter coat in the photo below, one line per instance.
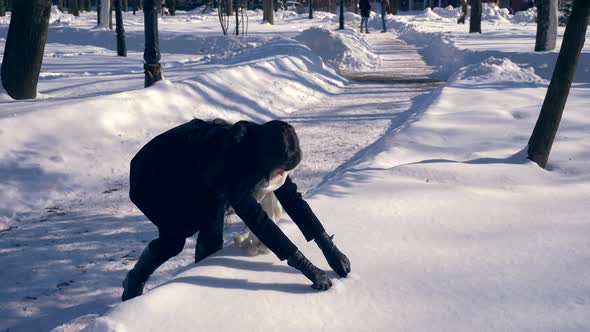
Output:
(186, 177)
(365, 8)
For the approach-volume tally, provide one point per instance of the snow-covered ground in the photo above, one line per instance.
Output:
(447, 225)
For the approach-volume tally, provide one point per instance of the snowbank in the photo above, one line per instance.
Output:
(525, 17)
(57, 151)
(448, 47)
(495, 70)
(490, 13)
(345, 51)
(56, 15)
(493, 13)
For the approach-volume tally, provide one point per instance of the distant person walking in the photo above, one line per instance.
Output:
(365, 8)
(384, 11)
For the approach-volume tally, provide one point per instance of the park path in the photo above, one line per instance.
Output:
(336, 131)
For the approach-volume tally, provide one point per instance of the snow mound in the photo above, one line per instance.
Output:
(56, 15)
(344, 51)
(527, 16)
(495, 14)
(496, 69)
(448, 12)
(430, 15)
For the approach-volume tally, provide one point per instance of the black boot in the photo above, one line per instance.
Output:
(137, 277)
(336, 259)
(206, 248)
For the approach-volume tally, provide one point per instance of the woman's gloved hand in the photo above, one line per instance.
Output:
(336, 259)
(318, 277)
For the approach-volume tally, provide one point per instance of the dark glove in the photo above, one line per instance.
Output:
(336, 259)
(318, 277)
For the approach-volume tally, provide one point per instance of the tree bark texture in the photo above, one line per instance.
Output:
(393, 6)
(475, 19)
(151, 54)
(547, 124)
(73, 8)
(547, 20)
(121, 47)
(268, 13)
(25, 44)
(341, 18)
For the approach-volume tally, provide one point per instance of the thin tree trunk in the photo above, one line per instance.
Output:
(475, 20)
(393, 7)
(2, 8)
(310, 5)
(25, 44)
(547, 124)
(121, 47)
(73, 8)
(547, 20)
(268, 14)
(125, 6)
(104, 13)
(99, 12)
(151, 54)
(230, 7)
(341, 18)
(110, 14)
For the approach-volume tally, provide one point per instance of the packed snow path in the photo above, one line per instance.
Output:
(401, 62)
(335, 132)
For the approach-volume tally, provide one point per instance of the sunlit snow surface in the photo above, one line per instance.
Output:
(426, 186)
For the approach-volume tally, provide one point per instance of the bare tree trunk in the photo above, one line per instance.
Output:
(393, 7)
(104, 13)
(73, 8)
(268, 14)
(2, 8)
(125, 6)
(475, 20)
(230, 7)
(121, 47)
(25, 44)
(110, 14)
(547, 124)
(341, 18)
(546, 25)
(151, 54)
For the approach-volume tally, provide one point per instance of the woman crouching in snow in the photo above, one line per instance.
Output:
(185, 180)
